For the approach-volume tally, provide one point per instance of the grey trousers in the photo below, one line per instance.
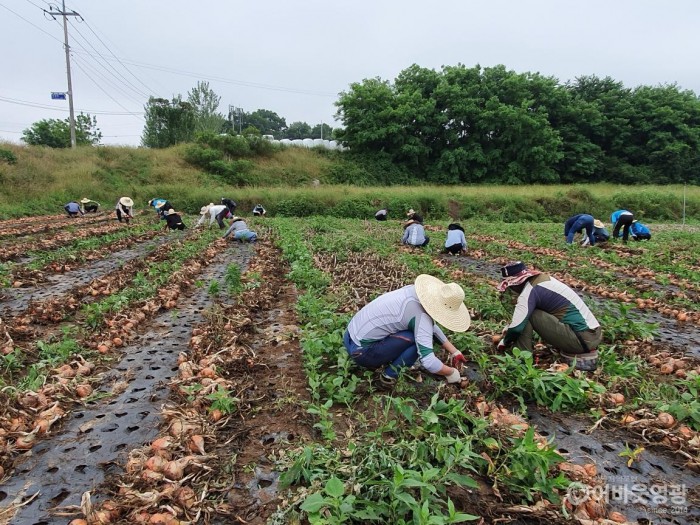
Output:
(558, 335)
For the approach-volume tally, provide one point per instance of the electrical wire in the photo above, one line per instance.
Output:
(32, 24)
(103, 91)
(105, 81)
(227, 80)
(65, 110)
(116, 73)
(151, 91)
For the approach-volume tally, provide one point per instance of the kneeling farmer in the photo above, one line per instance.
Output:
(553, 310)
(398, 328)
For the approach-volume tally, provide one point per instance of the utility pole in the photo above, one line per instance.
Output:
(65, 14)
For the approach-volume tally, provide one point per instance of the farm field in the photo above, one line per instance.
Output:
(149, 377)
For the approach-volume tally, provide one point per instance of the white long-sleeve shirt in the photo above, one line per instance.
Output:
(211, 213)
(395, 312)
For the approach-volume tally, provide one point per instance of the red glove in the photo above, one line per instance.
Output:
(456, 360)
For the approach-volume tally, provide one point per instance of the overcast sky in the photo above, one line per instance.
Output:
(295, 57)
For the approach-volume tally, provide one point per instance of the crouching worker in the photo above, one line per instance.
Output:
(553, 310)
(414, 234)
(240, 231)
(89, 205)
(397, 328)
(73, 209)
(173, 221)
(456, 242)
(639, 231)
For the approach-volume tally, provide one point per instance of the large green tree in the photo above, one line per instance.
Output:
(205, 102)
(298, 130)
(267, 122)
(477, 124)
(55, 133)
(168, 122)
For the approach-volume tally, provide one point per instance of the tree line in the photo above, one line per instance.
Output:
(169, 122)
(491, 125)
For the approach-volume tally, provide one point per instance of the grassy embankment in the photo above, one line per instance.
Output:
(42, 180)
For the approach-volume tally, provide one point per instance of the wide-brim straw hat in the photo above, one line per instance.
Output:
(160, 204)
(410, 212)
(203, 210)
(598, 223)
(171, 211)
(84, 200)
(126, 201)
(444, 302)
(514, 274)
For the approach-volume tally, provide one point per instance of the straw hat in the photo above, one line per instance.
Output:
(598, 223)
(514, 274)
(160, 204)
(171, 211)
(444, 302)
(84, 200)
(203, 210)
(410, 212)
(236, 218)
(126, 201)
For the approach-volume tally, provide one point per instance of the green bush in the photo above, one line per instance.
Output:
(7, 156)
(202, 156)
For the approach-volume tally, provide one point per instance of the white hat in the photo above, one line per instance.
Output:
(410, 212)
(171, 211)
(444, 302)
(203, 210)
(84, 200)
(598, 223)
(126, 201)
(160, 204)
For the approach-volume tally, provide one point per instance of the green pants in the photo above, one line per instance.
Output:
(557, 334)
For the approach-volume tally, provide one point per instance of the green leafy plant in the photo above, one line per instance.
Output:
(214, 288)
(222, 400)
(516, 375)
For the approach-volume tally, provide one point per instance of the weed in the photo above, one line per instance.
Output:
(516, 375)
(233, 279)
(222, 400)
(213, 289)
(632, 455)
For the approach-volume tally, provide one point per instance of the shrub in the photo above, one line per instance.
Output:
(202, 156)
(7, 156)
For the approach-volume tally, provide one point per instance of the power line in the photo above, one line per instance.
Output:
(17, 132)
(227, 80)
(53, 108)
(106, 80)
(151, 91)
(103, 91)
(31, 23)
(116, 73)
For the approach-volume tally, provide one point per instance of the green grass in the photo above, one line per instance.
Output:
(43, 180)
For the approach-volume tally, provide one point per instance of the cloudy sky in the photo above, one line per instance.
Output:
(295, 57)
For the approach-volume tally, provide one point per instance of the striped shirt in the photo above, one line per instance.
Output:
(546, 293)
(395, 312)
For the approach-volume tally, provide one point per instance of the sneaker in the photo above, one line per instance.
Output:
(586, 362)
(387, 380)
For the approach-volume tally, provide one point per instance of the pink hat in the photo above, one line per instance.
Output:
(515, 273)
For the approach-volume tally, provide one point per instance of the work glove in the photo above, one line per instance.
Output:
(454, 377)
(456, 360)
